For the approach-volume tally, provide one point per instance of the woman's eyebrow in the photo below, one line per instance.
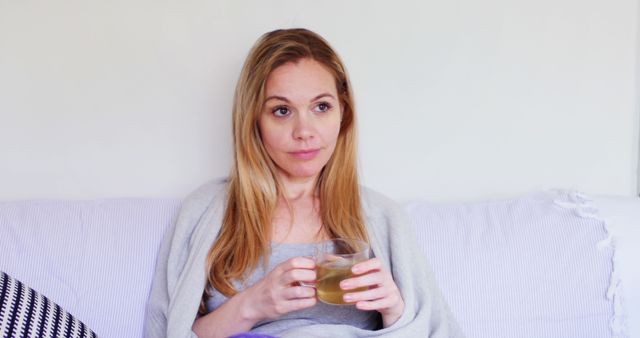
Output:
(323, 95)
(276, 97)
(282, 98)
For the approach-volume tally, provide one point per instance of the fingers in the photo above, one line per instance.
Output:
(370, 272)
(279, 292)
(381, 293)
(298, 292)
(367, 295)
(366, 266)
(297, 269)
(377, 279)
(298, 263)
(378, 304)
(297, 275)
(296, 298)
(379, 298)
(295, 305)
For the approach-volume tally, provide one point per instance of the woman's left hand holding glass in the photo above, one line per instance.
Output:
(383, 294)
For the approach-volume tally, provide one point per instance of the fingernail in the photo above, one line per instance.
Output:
(356, 269)
(345, 285)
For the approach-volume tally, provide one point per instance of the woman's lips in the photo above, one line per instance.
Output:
(305, 154)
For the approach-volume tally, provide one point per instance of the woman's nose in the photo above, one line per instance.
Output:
(304, 127)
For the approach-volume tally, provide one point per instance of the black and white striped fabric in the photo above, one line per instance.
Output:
(26, 313)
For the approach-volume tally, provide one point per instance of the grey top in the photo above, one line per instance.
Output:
(180, 275)
(321, 313)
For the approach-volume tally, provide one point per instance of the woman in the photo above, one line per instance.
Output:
(237, 258)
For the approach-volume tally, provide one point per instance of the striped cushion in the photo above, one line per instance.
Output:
(26, 313)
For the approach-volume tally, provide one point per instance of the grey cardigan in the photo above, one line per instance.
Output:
(180, 272)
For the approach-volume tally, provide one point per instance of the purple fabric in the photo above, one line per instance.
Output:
(250, 335)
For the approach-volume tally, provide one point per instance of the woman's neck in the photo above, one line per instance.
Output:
(297, 220)
(300, 188)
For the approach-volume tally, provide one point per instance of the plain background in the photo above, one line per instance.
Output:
(457, 100)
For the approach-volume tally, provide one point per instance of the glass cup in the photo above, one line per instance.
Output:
(334, 259)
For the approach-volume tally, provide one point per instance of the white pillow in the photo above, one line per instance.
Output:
(94, 258)
(526, 267)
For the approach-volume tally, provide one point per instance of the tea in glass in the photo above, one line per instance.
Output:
(334, 260)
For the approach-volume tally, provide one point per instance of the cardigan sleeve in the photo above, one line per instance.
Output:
(407, 259)
(426, 311)
(171, 261)
(155, 322)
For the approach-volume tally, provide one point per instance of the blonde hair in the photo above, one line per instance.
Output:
(253, 188)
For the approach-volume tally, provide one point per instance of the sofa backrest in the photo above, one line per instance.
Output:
(94, 258)
(527, 267)
(535, 266)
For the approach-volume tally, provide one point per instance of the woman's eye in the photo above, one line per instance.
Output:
(323, 107)
(280, 111)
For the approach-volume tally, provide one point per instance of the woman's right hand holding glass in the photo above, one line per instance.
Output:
(280, 291)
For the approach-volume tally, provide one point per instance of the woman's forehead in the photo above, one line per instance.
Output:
(306, 77)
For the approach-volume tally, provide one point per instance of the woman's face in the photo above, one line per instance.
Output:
(300, 120)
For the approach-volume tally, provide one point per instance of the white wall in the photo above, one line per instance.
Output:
(458, 100)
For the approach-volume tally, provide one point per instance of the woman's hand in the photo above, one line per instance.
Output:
(280, 292)
(383, 294)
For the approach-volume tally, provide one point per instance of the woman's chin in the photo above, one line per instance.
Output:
(302, 174)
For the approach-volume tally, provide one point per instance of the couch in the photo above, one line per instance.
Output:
(540, 265)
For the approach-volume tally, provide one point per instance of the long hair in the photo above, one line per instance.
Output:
(253, 188)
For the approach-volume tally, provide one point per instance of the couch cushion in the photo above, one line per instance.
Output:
(26, 313)
(94, 258)
(527, 267)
